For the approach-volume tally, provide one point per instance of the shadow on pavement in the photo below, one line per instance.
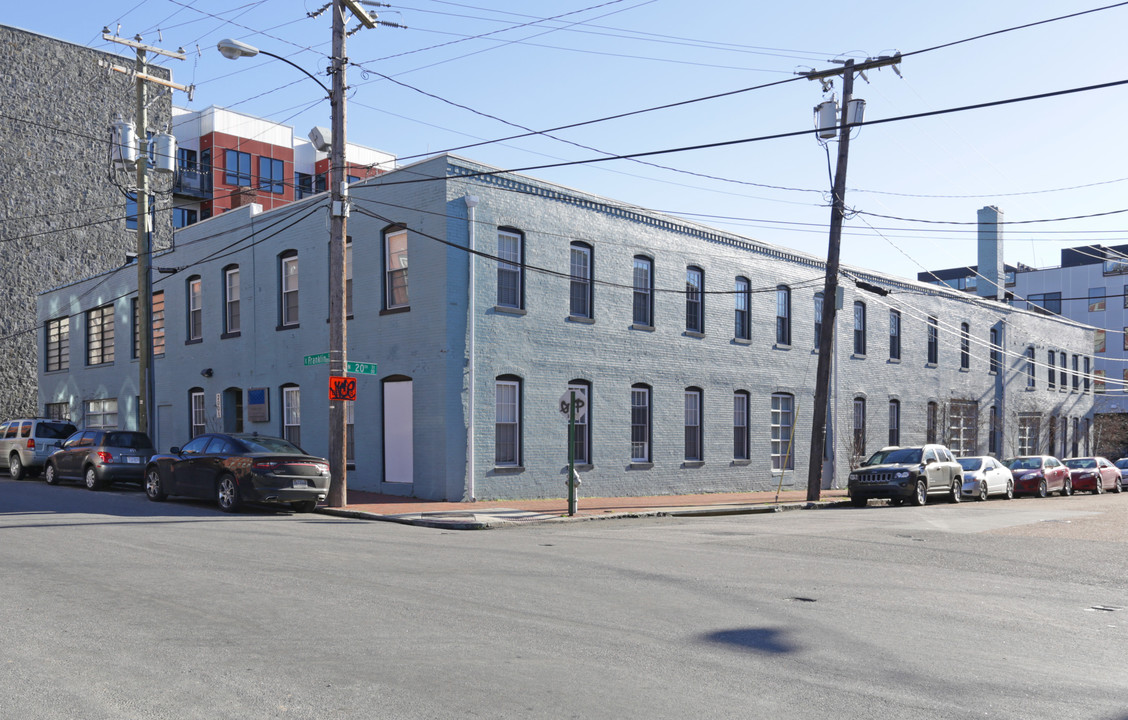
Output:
(763, 640)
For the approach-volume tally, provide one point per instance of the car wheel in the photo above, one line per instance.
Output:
(1116, 488)
(15, 467)
(93, 482)
(50, 475)
(859, 502)
(1098, 488)
(920, 497)
(305, 506)
(1042, 492)
(983, 491)
(227, 494)
(956, 494)
(153, 487)
(1010, 490)
(1067, 488)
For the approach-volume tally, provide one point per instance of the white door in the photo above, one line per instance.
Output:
(398, 450)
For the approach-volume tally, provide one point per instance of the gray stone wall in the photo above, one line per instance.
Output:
(61, 216)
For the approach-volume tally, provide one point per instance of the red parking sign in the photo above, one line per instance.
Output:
(342, 388)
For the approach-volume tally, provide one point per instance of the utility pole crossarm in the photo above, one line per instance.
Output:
(868, 64)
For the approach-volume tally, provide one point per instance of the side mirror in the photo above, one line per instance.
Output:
(174, 450)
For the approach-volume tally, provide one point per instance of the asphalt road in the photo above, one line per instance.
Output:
(115, 607)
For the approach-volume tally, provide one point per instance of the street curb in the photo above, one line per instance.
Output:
(496, 524)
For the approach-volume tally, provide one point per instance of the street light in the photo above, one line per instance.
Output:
(338, 189)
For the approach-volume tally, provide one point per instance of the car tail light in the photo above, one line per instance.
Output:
(264, 465)
(104, 456)
(31, 443)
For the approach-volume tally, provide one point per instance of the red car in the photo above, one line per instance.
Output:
(1039, 475)
(1095, 474)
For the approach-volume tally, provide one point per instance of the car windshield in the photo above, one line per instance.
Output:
(899, 455)
(131, 440)
(1081, 463)
(271, 445)
(54, 430)
(971, 463)
(1024, 463)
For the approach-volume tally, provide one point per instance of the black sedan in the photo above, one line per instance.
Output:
(99, 457)
(234, 469)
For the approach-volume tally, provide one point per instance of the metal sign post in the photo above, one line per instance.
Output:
(571, 402)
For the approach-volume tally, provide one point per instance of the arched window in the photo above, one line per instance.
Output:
(232, 322)
(582, 440)
(859, 328)
(965, 346)
(894, 422)
(783, 315)
(195, 322)
(580, 267)
(818, 318)
(291, 413)
(288, 289)
(694, 299)
(640, 423)
(507, 421)
(510, 268)
(197, 418)
(395, 268)
(894, 335)
(742, 298)
(694, 435)
(643, 291)
(859, 445)
(740, 407)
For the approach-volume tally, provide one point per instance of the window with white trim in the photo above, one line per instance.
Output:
(694, 300)
(395, 269)
(510, 269)
(640, 423)
(231, 318)
(507, 422)
(580, 271)
(693, 425)
(197, 412)
(289, 289)
(783, 427)
(195, 308)
(102, 414)
(292, 414)
(894, 422)
(643, 291)
(740, 407)
(582, 438)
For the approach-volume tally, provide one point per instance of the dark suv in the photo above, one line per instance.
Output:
(907, 473)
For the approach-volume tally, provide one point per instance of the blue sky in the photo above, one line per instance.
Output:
(540, 65)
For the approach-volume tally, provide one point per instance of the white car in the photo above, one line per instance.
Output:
(1122, 466)
(984, 476)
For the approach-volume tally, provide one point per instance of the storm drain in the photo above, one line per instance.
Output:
(1105, 608)
(801, 599)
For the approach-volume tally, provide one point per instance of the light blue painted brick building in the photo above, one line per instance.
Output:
(695, 346)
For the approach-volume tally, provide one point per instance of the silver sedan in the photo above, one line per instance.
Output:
(984, 476)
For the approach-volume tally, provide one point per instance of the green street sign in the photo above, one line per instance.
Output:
(360, 368)
(356, 368)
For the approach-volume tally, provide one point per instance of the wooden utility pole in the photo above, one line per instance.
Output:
(830, 285)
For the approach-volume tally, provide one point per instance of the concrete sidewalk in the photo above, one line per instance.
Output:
(484, 515)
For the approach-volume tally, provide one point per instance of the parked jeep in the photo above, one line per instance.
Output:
(907, 474)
